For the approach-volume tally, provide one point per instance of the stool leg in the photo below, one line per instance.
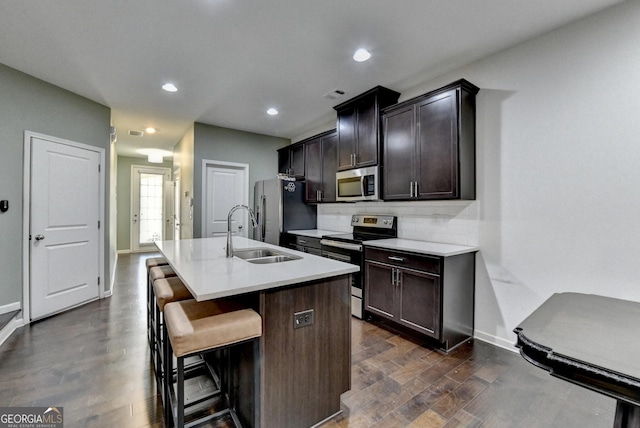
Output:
(168, 378)
(159, 348)
(180, 393)
(149, 306)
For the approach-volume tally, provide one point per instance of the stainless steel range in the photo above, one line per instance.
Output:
(348, 248)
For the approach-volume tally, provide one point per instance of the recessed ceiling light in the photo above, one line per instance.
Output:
(361, 55)
(150, 130)
(155, 158)
(272, 111)
(170, 87)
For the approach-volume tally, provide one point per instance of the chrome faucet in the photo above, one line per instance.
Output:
(231, 211)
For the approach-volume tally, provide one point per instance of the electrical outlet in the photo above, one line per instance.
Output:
(303, 319)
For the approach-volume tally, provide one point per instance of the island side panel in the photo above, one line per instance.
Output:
(305, 370)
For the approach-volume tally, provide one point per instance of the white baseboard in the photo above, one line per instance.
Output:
(15, 306)
(123, 251)
(495, 340)
(9, 329)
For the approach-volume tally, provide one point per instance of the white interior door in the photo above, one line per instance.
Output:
(226, 185)
(64, 226)
(147, 206)
(169, 205)
(176, 204)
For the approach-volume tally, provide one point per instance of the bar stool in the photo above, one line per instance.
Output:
(155, 272)
(149, 263)
(192, 327)
(166, 290)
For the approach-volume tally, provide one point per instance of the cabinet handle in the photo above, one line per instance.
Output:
(398, 278)
(415, 190)
(411, 189)
(396, 258)
(393, 276)
(318, 195)
(302, 241)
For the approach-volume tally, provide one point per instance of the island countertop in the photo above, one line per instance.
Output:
(203, 268)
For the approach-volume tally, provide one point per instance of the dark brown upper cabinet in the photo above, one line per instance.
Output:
(321, 164)
(291, 160)
(429, 145)
(359, 127)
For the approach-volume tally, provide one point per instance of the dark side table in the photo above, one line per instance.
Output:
(591, 341)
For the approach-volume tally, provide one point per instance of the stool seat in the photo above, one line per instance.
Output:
(158, 272)
(155, 261)
(199, 326)
(168, 290)
(165, 290)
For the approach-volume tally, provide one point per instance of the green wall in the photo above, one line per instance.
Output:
(29, 104)
(230, 145)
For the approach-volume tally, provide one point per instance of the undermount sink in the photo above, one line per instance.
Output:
(264, 256)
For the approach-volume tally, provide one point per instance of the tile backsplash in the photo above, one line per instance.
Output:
(451, 222)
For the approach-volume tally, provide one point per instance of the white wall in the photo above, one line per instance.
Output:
(558, 169)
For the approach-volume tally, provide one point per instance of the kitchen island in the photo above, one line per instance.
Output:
(304, 367)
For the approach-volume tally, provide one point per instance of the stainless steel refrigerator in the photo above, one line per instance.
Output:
(279, 206)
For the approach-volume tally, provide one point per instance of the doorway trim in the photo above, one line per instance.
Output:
(26, 216)
(208, 163)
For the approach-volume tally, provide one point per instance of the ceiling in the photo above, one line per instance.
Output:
(233, 59)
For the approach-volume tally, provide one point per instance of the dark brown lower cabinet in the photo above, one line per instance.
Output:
(430, 296)
(306, 244)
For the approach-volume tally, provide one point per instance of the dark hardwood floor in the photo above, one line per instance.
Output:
(94, 362)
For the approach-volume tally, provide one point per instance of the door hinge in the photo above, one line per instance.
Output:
(98, 280)
(98, 224)
(98, 167)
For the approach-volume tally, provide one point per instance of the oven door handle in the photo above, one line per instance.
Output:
(345, 245)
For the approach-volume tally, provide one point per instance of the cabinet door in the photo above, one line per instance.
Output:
(284, 161)
(380, 292)
(399, 153)
(438, 147)
(313, 169)
(367, 132)
(347, 122)
(297, 161)
(419, 301)
(329, 167)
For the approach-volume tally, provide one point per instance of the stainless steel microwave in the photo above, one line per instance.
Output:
(360, 184)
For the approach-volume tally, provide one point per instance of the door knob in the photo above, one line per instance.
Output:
(39, 237)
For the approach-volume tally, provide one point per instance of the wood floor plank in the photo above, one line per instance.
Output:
(94, 362)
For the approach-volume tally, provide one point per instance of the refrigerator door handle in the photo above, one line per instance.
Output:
(263, 208)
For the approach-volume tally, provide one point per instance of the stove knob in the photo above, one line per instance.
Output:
(385, 221)
(355, 219)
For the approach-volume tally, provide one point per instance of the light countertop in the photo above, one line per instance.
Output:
(202, 266)
(314, 233)
(423, 247)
